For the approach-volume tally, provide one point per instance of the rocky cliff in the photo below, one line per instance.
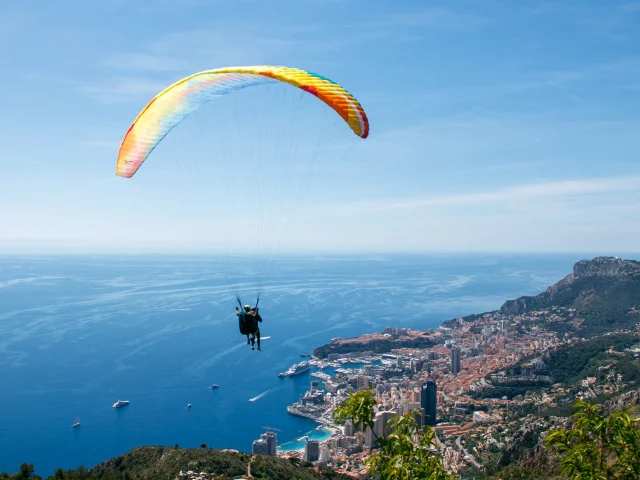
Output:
(606, 271)
(604, 292)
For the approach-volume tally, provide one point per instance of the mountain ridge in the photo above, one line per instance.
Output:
(603, 292)
(597, 267)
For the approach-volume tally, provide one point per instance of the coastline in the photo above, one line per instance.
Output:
(78, 446)
(321, 414)
(506, 355)
(325, 429)
(297, 445)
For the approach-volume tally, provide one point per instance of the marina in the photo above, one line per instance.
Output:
(340, 364)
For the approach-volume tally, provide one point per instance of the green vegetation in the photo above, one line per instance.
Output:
(161, 463)
(516, 471)
(406, 452)
(505, 391)
(576, 361)
(359, 408)
(597, 447)
(604, 304)
(375, 346)
(592, 446)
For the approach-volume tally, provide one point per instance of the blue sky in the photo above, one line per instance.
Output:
(495, 126)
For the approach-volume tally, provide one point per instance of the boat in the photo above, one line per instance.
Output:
(305, 354)
(301, 368)
(189, 405)
(120, 403)
(296, 369)
(215, 385)
(77, 424)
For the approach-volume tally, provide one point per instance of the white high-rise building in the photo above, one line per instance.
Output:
(348, 428)
(325, 455)
(369, 437)
(381, 421)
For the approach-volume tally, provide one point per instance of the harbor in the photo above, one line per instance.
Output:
(317, 403)
(338, 363)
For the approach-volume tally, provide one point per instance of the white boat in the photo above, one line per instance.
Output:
(77, 424)
(214, 385)
(120, 403)
(189, 406)
(302, 367)
(297, 369)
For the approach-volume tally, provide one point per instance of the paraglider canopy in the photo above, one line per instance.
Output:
(176, 102)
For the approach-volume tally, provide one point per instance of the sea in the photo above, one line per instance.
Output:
(79, 332)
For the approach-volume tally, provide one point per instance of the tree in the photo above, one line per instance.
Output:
(82, 472)
(599, 448)
(25, 473)
(359, 407)
(26, 470)
(407, 453)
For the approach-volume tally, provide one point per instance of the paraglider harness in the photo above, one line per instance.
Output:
(247, 321)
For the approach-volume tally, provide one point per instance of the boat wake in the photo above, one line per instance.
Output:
(264, 394)
(261, 338)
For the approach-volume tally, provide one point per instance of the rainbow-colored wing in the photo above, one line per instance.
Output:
(176, 102)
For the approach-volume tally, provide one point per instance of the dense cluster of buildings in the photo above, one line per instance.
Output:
(433, 385)
(439, 387)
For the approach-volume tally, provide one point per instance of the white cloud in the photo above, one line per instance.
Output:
(570, 215)
(181, 53)
(544, 192)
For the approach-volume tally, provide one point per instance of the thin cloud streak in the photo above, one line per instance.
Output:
(564, 188)
(165, 56)
(534, 82)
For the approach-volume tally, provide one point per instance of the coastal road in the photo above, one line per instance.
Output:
(464, 450)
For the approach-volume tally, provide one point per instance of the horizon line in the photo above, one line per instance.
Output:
(315, 252)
